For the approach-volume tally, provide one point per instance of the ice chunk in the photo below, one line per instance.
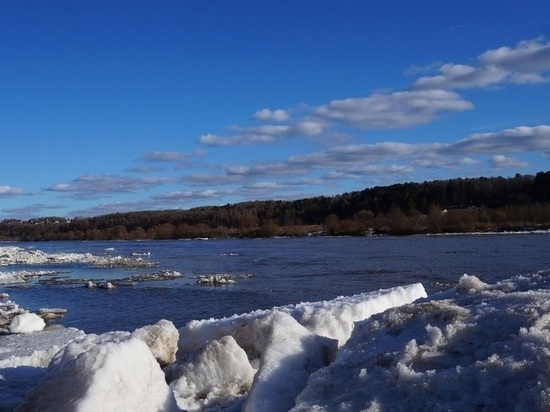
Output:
(162, 340)
(35, 349)
(26, 323)
(215, 375)
(291, 355)
(113, 375)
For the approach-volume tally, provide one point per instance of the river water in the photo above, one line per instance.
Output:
(270, 272)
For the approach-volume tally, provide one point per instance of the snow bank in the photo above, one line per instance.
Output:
(333, 319)
(475, 347)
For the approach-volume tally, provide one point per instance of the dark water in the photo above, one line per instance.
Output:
(284, 271)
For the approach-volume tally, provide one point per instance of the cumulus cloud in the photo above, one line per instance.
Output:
(393, 111)
(458, 76)
(6, 191)
(266, 133)
(527, 63)
(102, 185)
(503, 162)
(424, 101)
(514, 140)
(278, 115)
(529, 56)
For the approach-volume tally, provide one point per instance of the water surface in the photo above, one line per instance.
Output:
(284, 271)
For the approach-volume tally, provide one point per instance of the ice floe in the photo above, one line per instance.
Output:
(14, 255)
(220, 279)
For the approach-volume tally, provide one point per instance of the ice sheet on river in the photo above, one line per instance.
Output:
(14, 255)
(474, 347)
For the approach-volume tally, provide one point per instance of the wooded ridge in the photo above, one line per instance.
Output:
(442, 206)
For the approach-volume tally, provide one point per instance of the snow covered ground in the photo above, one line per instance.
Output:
(474, 347)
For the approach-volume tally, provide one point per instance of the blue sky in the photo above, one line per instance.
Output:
(115, 106)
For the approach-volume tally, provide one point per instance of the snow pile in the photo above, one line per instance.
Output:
(475, 347)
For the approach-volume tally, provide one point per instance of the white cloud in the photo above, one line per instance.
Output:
(428, 98)
(518, 139)
(102, 185)
(354, 161)
(393, 111)
(503, 162)
(527, 63)
(457, 76)
(278, 115)
(10, 191)
(528, 56)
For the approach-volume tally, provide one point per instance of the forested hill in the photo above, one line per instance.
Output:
(456, 205)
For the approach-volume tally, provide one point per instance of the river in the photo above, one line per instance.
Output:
(268, 272)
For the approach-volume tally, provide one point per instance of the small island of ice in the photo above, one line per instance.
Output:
(474, 347)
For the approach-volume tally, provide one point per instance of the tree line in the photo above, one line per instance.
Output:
(451, 206)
